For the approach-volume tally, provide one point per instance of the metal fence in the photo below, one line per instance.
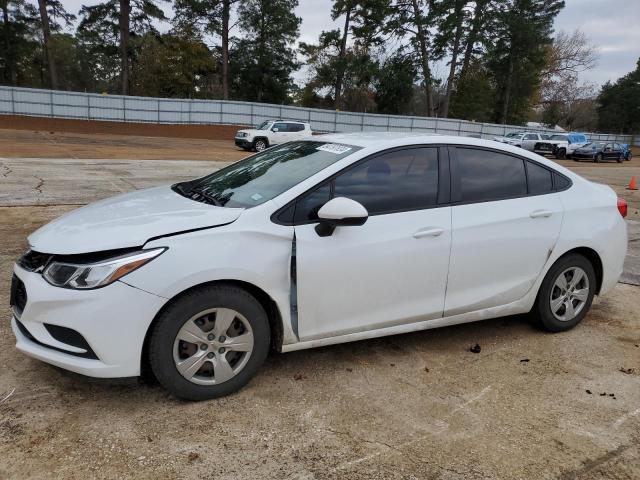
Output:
(120, 108)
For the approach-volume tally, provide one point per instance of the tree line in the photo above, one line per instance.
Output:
(482, 60)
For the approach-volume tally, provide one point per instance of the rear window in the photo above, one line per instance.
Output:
(487, 175)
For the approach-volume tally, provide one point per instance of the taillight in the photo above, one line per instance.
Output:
(622, 207)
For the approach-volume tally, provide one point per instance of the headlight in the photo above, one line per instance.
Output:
(98, 274)
(242, 134)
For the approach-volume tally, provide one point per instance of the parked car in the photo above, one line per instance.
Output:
(599, 151)
(316, 242)
(561, 145)
(525, 140)
(626, 151)
(508, 137)
(272, 132)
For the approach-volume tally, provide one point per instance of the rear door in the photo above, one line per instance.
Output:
(504, 228)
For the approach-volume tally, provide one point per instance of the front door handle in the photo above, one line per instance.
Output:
(428, 232)
(540, 213)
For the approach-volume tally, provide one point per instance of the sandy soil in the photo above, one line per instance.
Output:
(530, 405)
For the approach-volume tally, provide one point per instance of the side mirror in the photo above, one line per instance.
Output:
(274, 129)
(340, 212)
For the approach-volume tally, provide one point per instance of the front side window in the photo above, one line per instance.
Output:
(485, 175)
(531, 136)
(394, 181)
(263, 176)
(282, 127)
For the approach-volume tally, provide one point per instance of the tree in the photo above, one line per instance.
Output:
(18, 39)
(51, 13)
(264, 59)
(450, 16)
(516, 53)
(619, 104)
(413, 18)
(394, 85)
(119, 19)
(209, 17)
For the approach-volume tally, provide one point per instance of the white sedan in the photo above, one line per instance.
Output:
(315, 242)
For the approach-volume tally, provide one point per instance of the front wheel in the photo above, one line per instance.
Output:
(566, 294)
(561, 154)
(620, 158)
(260, 145)
(598, 158)
(209, 343)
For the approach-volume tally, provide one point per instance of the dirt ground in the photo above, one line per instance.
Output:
(530, 405)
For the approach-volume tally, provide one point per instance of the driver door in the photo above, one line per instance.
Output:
(390, 271)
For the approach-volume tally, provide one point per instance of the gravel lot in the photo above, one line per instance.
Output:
(411, 406)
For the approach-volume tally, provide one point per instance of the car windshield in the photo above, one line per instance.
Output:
(263, 176)
(264, 125)
(594, 145)
(558, 137)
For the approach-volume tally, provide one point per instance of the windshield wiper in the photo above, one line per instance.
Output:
(200, 195)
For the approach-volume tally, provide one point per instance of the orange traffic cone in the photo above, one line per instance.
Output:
(633, 184)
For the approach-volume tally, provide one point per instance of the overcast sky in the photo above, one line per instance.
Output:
(611, 25)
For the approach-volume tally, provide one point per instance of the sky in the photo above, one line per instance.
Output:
(610, 25)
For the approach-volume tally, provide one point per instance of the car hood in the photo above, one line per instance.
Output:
(127, 220)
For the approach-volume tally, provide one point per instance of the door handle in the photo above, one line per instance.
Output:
(540, 213)
(428, 232)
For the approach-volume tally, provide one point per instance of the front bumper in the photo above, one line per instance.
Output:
(242, 142)
(583, 156)
(113, 320)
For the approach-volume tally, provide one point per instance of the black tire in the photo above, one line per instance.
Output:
(260, 144)
(561, 154)
(598, 158)
(620, 158)
(541, 311)
(161, 345)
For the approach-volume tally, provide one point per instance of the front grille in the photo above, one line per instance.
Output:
(18, 298)
(34, 261)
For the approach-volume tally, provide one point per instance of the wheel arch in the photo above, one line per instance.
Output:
(595, 260)
(269, 305)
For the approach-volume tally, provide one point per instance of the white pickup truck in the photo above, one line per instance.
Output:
(561, 145)
(526, 140)
(272, 132)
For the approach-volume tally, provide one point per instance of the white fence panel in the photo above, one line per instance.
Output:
(91, 106)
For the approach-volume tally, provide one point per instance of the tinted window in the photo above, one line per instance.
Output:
(307, 207)
(539, 179)
(486, 175)
(296, 127)
(282, 127)
(560, 182)
(400, 180)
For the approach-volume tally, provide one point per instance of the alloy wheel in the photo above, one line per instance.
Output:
(213, 346)
(569, 294)
(260, 145)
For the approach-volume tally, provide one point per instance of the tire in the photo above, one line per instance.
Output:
(240, 353)
(550, 295)
(260, 144)
(561, 154)
(620, 158)
(598, 158)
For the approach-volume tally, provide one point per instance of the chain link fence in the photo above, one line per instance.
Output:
(120, 108)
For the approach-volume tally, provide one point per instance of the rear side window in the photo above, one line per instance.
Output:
(539, 179)
(394, 181)
(487, 175)
(295, 127)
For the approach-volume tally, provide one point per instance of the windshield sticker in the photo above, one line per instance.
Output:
(256, 196)
(334, 148)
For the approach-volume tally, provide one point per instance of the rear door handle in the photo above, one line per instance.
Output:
(428, 232)
(540, 213)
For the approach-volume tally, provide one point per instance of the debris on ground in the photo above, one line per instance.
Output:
(628, 371)
(524, 360)
(588, 391)
(426, 369)
(349, 369)
(193, 456)
(392, 364)
(475, 349)
(299, 376)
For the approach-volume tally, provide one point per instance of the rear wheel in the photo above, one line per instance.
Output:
(620, 158)
(598, 158)
(566, 294)
(209, 342)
